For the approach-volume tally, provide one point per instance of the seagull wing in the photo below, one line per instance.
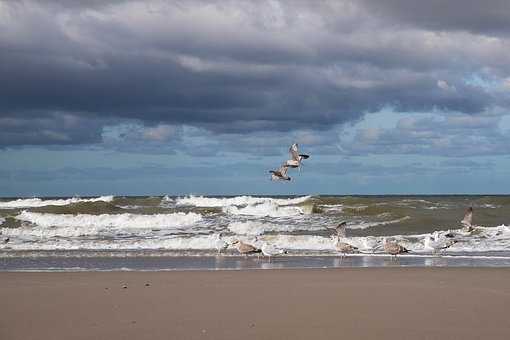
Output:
(468, 217)
(293, 150)
(283, 170)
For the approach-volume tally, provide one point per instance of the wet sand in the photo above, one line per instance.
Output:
(358, 303)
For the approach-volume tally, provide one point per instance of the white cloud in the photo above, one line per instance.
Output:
(160, 133)
(443, 84)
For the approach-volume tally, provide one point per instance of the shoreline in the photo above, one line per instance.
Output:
(231, 262)
(351, 303)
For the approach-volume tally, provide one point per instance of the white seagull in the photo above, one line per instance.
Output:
(436, 243)
(271, 250)
(468, 220)
(280, 174)
(296, 158)
(370, 244)
(219, 243)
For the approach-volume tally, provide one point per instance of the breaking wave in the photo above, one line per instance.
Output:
(201, 201)
(37, 202)
(268, 209)
(366, 225)
(256, 228)
(106, 220)
(485, 239)
(302, 225)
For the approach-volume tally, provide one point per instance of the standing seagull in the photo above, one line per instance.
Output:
(436, 243)
(280, 174)
(271, 250)
(393, 248)
(245, 248)
(344, 247)
(219, 243)
(296, 158)
(370, 244)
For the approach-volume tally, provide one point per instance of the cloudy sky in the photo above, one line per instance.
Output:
(204, 97)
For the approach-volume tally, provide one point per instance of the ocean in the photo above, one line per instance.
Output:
(165, 233)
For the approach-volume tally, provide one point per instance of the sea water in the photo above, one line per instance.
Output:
(105, 233)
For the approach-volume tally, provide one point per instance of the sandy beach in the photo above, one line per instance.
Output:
(376, 303)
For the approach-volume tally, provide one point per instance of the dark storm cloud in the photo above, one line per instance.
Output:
(232, 67)
(486, 17)
(48, 129)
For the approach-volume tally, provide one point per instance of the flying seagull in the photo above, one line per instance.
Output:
(280, 174)
(296, 158)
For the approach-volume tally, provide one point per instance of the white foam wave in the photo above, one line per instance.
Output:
(256, 228)
(300, 242)
(106, 220)
(490, 206)
(365, 225)
(161, 243)
(37, 202)
(332, 207)
(493, 239)
(201, 201)
(2, 220)
(268, 208)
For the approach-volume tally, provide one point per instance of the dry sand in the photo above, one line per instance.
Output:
(382, 303)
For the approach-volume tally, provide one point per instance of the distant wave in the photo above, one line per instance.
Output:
(256, 228)
(268, 208)
(37, 202)
(366, 225)
(201, 201)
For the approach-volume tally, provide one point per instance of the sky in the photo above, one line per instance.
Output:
(204, 97)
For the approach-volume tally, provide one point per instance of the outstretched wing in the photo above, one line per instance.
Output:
(293, 150)
(340, 229)
(283, 170)
(468, 218)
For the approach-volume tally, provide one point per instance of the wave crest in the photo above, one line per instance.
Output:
(266, 209)
(37, 202)
(202, 201)
(127, 220)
